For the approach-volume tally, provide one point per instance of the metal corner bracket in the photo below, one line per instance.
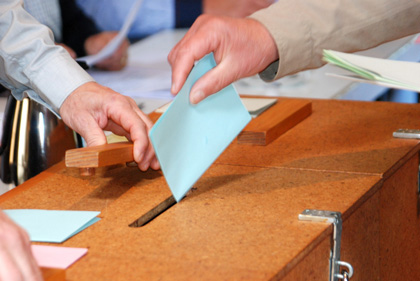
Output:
(335, 263)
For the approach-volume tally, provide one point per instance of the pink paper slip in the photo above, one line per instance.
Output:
(57, 257)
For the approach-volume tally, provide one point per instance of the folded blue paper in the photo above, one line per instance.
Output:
(50, 225)
(188, 138)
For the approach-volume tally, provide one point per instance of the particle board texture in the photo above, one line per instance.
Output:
(238, 223)
(53, 274)
(338, 136)
(240, 220)
(400, 225)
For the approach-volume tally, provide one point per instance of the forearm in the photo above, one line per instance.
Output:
(302, 29)
(30, 63)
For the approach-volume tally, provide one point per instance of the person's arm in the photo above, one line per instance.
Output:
(118, 60)
(31, 64)
(92, 108)
(234, 8)
(302, 29)
(242, 47)
(82, 36)
(299, 30)
(16, 260)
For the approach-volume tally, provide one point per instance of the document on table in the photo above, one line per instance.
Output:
(56, 257)
(188, 138)
(113, 45)
(137, 80)
(255, 106)
(389, 73)
(51, 225)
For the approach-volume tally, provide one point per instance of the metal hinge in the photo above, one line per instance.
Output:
(407, 134)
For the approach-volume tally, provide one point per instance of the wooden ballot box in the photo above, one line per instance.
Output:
(240, 220)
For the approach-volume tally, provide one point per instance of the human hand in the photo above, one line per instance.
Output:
(16, 260)
(118, 60)
(92, 108)
(242, 48)
(68, 49)
(234, 8)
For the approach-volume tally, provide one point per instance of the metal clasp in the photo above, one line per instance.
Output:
(335, 219)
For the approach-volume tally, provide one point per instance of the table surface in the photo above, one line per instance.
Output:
(240, 219)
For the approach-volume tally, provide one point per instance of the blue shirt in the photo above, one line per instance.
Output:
(154, 15)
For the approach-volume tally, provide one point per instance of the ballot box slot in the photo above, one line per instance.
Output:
(154, 213)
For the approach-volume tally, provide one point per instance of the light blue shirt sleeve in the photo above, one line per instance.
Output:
(30, 63)
(109, 15)
(48, 13)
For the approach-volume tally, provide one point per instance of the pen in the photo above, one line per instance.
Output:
(83, 64)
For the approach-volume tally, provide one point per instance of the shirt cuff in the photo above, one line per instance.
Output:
(55, 80)
(269, 74)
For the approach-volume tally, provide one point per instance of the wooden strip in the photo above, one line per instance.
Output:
(278, 119)
(100, 156)
(53, 274)
(274, 122)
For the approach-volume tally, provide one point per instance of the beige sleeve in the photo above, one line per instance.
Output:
(303, 28)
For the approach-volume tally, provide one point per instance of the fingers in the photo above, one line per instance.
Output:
(91, 132)
(191, 48)
(149, 159)
(207, 85)
(128, 120)
(241, 47)
(208, 34)
(118, 60)
(16, 260)
(92, 108)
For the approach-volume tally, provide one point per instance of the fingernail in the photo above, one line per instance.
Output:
(197, 96)
(131, 164)
(173, 88)
(144, 167)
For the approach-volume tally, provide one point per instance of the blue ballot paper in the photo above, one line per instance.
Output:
(50, 225)
(188, 138)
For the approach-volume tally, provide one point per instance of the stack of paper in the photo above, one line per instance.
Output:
(51, 225)
(256, 106)
(389, 73)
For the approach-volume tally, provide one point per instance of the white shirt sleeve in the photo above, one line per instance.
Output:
(30, 63)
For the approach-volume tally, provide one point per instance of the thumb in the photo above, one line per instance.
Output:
(212, 82)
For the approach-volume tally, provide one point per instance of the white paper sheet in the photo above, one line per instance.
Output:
(384, 72)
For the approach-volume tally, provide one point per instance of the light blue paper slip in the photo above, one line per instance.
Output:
(188, 138)
(50, 225)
